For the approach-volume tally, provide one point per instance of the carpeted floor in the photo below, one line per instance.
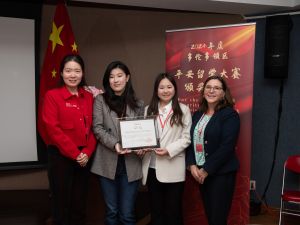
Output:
(32, 207)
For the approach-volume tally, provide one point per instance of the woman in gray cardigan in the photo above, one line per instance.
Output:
(119, 170)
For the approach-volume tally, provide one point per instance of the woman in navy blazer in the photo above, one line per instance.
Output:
(211, 156)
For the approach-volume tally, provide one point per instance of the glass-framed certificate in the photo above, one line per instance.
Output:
(138, 133)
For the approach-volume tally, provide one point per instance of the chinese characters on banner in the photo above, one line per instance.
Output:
(192, 55)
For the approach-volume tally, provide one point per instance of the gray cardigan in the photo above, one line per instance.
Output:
(106, 130)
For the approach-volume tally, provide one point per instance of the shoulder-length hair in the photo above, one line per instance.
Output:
(226, 101)
(153, 106)
(74, 58)
(128, 94)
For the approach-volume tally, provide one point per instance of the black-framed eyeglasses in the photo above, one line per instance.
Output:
(213, 88)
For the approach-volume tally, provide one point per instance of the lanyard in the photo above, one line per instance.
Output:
(200, 129)
(163, 123)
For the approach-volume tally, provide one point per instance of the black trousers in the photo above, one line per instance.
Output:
(217, 193)
(68, 186)
(165, 201)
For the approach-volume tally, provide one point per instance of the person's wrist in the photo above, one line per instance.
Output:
(192, 166)
(204, 171)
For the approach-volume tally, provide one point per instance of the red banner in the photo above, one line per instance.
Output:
(61, 42)
(192, 55)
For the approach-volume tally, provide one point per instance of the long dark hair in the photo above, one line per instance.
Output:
(153, 106)
(226, 101)
(64, 61)
(127, 97)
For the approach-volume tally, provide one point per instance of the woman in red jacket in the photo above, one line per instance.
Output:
(67, 116)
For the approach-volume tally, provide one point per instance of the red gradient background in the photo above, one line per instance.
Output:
(238, 44)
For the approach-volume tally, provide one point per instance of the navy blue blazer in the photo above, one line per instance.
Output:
(220, 137)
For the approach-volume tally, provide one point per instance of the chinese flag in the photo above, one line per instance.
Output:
(61, 42)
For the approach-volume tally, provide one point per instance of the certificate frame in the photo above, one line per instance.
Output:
(138, 132)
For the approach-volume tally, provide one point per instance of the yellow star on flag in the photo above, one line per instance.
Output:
(54, 73)
(74, 47)
(54, 36)
(61, 42)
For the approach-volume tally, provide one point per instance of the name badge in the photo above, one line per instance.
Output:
(199, 148)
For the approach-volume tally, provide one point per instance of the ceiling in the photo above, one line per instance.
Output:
(242, 7)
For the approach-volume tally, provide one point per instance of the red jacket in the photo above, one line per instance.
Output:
(68, 121)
